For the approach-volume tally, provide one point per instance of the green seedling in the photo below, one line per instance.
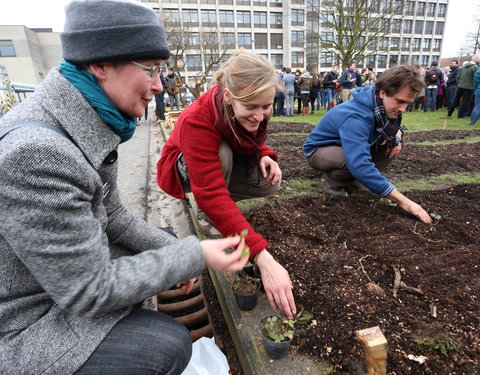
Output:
(245, 252)
(278, 330)
(245, 283)
(436, 216)
(244, 233)
(443, 345)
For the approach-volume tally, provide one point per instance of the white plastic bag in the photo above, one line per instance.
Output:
(207, 359)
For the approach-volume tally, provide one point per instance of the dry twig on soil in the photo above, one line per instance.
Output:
(363, 269)
(399, 284)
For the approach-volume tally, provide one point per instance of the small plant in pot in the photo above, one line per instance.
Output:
(245, 288)
(277, 332)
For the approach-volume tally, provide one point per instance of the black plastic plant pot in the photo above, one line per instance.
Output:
(257, 273)
(275, 350)
(246, 303)
(248, 269)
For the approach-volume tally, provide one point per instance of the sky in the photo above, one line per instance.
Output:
(34, 13)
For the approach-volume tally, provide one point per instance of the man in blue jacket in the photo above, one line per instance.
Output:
(358, 139)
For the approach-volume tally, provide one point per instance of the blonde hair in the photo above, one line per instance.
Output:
(246, 75)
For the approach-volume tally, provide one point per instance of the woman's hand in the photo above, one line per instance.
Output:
(186, 286)
(274, 173)
(277, 284)
(218, 260)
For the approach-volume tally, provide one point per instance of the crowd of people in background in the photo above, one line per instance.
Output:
(305, 92)
(448, 87)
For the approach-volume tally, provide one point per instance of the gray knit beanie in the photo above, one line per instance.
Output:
(111, 30)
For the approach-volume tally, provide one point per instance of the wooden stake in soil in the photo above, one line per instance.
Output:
(445, 120)
(375, 345)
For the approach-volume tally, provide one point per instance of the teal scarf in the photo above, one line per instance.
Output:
(85, 82)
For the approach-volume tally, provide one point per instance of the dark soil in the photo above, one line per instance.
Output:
(333, 248)
(324, 243)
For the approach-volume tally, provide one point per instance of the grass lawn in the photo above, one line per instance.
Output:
(413, 121)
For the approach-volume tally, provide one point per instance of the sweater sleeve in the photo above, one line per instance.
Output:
(200, 143)
(354, 136)
(48, 192)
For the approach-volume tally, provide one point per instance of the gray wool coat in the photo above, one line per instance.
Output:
(72, 263)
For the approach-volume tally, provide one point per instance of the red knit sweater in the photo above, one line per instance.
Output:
(196, 137)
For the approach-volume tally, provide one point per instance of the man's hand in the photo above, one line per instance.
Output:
(392, 152)
(275, 174)
(409, 206)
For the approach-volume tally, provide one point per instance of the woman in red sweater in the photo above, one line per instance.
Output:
(220, 138)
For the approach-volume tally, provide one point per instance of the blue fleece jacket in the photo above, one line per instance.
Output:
(351, 125)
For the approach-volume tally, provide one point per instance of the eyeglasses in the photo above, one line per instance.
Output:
(151, 71)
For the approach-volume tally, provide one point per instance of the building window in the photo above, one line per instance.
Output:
(436, 45)
(442, 10)
(298, 39)
(407, 26)
(299, 2)
(404, 59)
(394, 43)
(276, 41)
(243, 2)
(370, 61)
(415, 60)
(439, 28)
(226, 18)
(208, 18)
(398, 7)
(431, 9)
(194, 62)
(382, 61)
(326, 36)
(326, 59)
(190, 17)
(276, 20)
(225, 2)
(429, 27)
(427, 42)
(7, 49)
(277, 61)
(245, 40)
(297, 60)
(207, 2)
(421, 8)
(396, 26)
(409, 8)
(261, 41)
(405, 44)
(393, 60)
(298, 17)
(260, 19)
(327, 19)
(243, 18)
(227, 40)
(418, 27)
(276, 3)
(260, 3)
(171, 16)
(424, 61)
(193, 39)
(416, 44)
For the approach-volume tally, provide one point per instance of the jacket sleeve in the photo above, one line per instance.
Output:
(354, 136)
(344, 78)
(328, 80)
(65, 244)
(200, 143)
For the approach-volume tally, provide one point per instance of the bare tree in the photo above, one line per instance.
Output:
(208, 44)
(471, 43)
(351, 29)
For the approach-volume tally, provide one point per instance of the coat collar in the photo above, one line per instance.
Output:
(95, 138)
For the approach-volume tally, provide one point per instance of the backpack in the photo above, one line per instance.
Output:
(432, 77)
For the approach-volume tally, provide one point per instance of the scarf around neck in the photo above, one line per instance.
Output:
(386, 127)
(241, 141)
(123, 125)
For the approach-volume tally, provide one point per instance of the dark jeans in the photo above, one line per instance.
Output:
(144, 342)
(462, 98)
(450, 95)
(431, 99)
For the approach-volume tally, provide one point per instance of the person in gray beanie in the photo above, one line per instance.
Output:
(75, 264)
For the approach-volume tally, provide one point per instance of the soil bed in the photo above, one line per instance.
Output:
(324, 243)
